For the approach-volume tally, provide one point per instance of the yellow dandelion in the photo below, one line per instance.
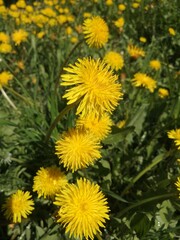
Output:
(83, 209)
(4, 38)
(21, 4)
(114, 60)
(95, 85)
(135, 5)
(143, 39)
(119, 22)
(121, 123)
(163, 92)
(172, 32)
(155, 64)
(77, 149)
(5, 77)
(175, 134)
(49, 181)
(141, 79)
(96, 31)
(100, 127)
(5, 48)
(19, 36)
(177, 183)
(109, 2)
(121, 7)
(74, 39)
(135, 51)
(19, 205)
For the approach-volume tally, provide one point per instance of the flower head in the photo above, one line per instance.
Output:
(5, 48)
(18, 205)
(83, 209)
(177, 183)
(172, 31)
(119, 22)
(155, 64)
(114, 60)
(141, 79)
(4, 38)
(94, 84)
(5, 77)
(100, 127)
(77, 149)
(121, 7)
(143, 39)
(49, 181)
(135, 51)
(19, 36)
(96, 31)
(163, 92)
(175, 134)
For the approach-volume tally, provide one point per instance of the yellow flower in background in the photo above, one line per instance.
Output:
(135, 51)
(19, 205)
(77, 149)
(94, 84)
(74, 39)
(5, 48)
(96, 31)
(83, 209)
(177, 183)
(175, 134)
(143, 39)
(109, 2)
(69, 30)
(121, 123)
(49, 181)
(4, 38)
(5, 77)
(87, 15)
(135, 5)
(21, 4)
(163, 92)
(172, 31)
(155, 64)
(29, 8)
(114, 60)
(100, 127)
(119, 22)
(48, 12)
(121, 7)
(19, 36)
(141, 79)
(41, 34)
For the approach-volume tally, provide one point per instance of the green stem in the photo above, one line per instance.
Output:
(58, 118)
(66, 61)
(155, 161)
(144, 201)
(98, 236)
(19, 95)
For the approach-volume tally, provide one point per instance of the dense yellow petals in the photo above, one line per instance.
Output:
(141, 79)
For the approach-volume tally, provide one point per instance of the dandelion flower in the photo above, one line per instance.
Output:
(175, 134)
(178, 184)
(100, 127)
(5, 48)
(77, 149)
(155, 64)
(114, 60)
(83, 209)
(96, 31)
(172, 31)
(121, 123)
(5, 77)
(95, 84)
(119, 22)
(49, 181)
(135, 51)
(141, 79)
(143, 39)
(135, 5)
(163, 92)
(4, 38)
(121, 7)
(19, 36)
(19, 205)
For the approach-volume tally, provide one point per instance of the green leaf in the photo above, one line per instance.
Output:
(141, 224)
(118, 135)
(114, 195)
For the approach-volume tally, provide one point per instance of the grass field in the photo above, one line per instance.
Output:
(89, 120)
